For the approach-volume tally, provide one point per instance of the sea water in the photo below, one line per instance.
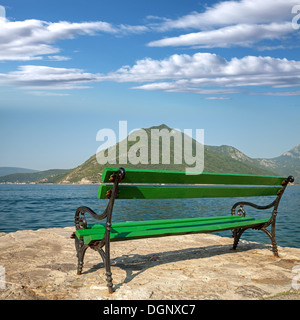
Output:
(46, 206)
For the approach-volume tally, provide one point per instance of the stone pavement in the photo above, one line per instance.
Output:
(42, 265)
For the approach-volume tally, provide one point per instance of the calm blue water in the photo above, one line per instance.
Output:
(47, 206)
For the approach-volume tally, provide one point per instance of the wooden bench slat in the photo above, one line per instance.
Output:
(126, 231)
(99, 227)
(166, 221)
(180, 177)
(174, 192)
(148, 225)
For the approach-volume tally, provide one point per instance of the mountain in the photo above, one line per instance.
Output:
(4, 171)
(47, 176)
(286, 164)
(223, 159)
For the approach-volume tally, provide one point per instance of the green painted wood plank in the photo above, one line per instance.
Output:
(179, 177)
(172, 192)
(171, 229)
(167, 221)
(127, 228)
(143, 225)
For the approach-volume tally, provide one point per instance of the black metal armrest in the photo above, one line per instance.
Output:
(80, 220)
(246, 203)
(274, 204)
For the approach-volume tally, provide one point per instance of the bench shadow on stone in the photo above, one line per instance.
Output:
(135, 264)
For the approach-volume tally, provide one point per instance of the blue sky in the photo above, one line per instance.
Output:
(71, 68)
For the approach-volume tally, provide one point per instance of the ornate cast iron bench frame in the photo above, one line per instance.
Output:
(102, 246)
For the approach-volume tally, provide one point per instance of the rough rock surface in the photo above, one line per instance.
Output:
(42, 265)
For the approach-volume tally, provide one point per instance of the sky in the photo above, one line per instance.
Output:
(71, 68)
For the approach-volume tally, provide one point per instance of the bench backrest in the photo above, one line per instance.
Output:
(147, 184)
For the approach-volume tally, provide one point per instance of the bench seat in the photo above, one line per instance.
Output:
(157, 228)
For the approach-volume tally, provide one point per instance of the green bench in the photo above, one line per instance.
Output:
(157, 184)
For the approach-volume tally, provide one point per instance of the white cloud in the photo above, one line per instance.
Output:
(132, 29)
(235, 12)
(156, 18)
(240, 34)
(31, 39)
(201, 73)
(42, 77)
(183, 86)
(196, 73)
(224, 24)
(174, 67)
(232, 23)
(208, 67)
(58, 58)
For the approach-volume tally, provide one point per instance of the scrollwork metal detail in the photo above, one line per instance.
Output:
(241, 212)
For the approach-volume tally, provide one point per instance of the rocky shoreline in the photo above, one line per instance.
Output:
(42, 265)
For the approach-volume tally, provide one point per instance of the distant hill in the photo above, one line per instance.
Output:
(286, 164)
(48, 176)
(224, 159)
(4, 171)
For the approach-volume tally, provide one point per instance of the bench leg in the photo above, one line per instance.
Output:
(106, 260)
(80, 249)
(108, 268)
(237, 233)
(272, 237)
